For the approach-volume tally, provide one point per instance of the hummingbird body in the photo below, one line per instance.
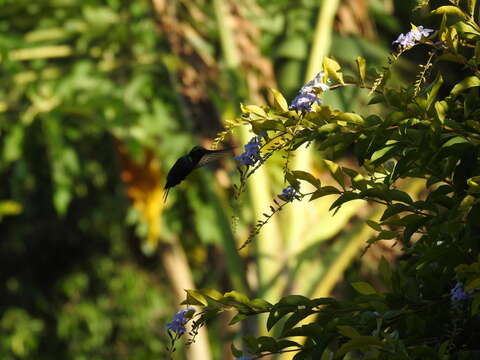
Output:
(197, 157)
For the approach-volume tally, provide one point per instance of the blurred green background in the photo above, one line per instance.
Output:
(97, 101)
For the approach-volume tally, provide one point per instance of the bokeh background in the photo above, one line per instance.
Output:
(98, 98)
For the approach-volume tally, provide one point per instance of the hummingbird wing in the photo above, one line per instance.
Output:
(212, 155)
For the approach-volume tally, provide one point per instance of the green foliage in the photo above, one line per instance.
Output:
(429, 132)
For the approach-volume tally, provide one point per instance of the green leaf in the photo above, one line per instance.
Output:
(345, 197)
(235, 352)
(237, 297)
(279, 102)
(441, 110)
(256, 110)
(377, 99)
(292, 180)
(385, 271)
(471, 6)
(324, 191)
(251, 343)
(328, 128)
(394, 209)
(336, 172)
(332, 69)
(12, 144)
(449, 10)
(357, 343)
(383, 153)
(283, 344)
(455, 141)
(313, 330)
(194, 297)
(374, 225)
(350, 118)
(238, 317)
(361, 66)
(348, 331)
(467, 83)
(363, 288)
(437, 84)
(9, 207)
(295, 300)
(295, 318)
(267, 344)
(387, 235)
(473, 284)
(412, 223)
(306, 176)
(399, 195)
(260, 304)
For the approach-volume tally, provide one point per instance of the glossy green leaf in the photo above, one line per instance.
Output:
(306, 176)
(363, 288)
(449, 10)
(437, 84)
(394, 209)
(279, 101)
(336, 172)
(361, 69)
(472, 284)
(345, 197)
(361, 342)
(348, 331)
(399, 195)
(324, 191)
(350, 118)
(467, 83)
(332, 69)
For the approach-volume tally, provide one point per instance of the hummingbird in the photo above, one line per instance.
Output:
(197, 157)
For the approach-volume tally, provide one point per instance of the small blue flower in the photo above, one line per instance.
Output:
(252, 153)
(308, 94)
(316, 82)
(288, 194)
(177, 325)
(412, 37)
(303, 102)
(457, 293)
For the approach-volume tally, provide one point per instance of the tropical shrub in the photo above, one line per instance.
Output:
(430, 132)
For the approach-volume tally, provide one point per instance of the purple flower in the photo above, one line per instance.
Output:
(303, 102)
(412, 37)
(252, 152)
(288, 194)
(457, 293)
(308, 96)
(316, 82)
(177, 325)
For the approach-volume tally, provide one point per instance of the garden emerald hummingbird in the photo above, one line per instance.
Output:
(197, 157)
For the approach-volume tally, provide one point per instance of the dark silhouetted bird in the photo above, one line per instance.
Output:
(197, 157)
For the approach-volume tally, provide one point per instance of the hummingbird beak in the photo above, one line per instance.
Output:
(165, 195)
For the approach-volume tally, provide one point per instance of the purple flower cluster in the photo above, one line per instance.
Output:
(457, 293)
(177, 325)
(252, 152)
(412, 37)
(307, 95)
(288, 194)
